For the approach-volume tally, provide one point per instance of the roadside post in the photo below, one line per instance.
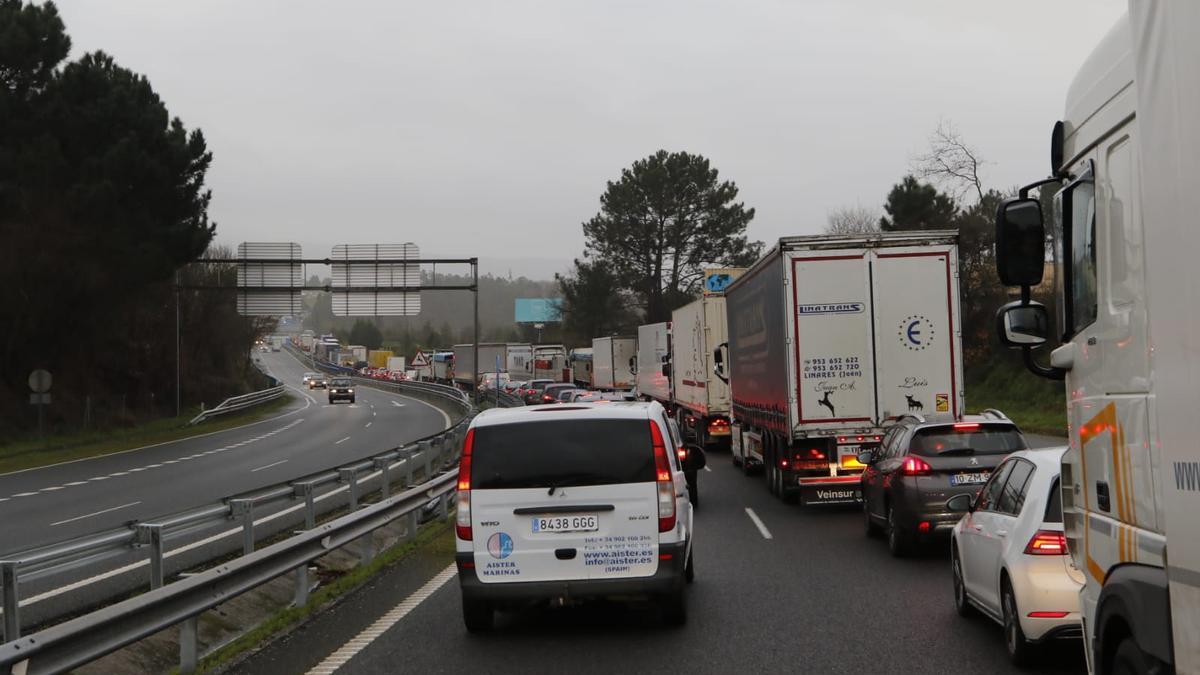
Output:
(39, 383)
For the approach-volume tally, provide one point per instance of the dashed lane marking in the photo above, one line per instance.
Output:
(342, 441)
(361, 641)
(707, 468)
(96, 513)
(758, 523)
(368, 424)
(268, 465)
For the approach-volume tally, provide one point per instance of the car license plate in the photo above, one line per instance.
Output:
(580, 523)
(977, 478)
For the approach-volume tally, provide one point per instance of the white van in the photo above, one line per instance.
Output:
(573, 502)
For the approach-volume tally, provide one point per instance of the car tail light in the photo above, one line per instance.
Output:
(681, 453)
(462, 518)
(1048, 615)
(1047, 542)
(666, 482)
(915, 466)
(966, 426)
(924, 526)
(547, 397)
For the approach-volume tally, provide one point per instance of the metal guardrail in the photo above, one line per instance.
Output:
(240, 403)
(102, 632)
(374, 474)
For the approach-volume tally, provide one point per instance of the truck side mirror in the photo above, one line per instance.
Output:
(1020, 242)
(1023, 325)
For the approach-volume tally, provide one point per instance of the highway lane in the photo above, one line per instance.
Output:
(53, 503)
(818, 596)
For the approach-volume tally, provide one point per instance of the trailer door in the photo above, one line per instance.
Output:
(833, 368)
(918, 352)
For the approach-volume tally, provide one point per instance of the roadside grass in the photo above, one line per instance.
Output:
(436, 537)
(31, 453)
(1036, 405)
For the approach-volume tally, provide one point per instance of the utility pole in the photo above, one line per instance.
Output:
(475, 343)
(178, 382)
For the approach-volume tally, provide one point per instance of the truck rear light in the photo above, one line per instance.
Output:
(665, 480)
(915, 466)
(814, 453)
(783, 462)
(1047, 542)
(462, 498)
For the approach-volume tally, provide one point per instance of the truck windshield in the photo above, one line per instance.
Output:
(562, 454)
(987, 439)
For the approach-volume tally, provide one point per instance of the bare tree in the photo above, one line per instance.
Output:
(852, 220)
(950, 162)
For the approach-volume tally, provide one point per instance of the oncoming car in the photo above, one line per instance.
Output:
(317, 381)
(563, 504)
(341, 389)
(1009, 554)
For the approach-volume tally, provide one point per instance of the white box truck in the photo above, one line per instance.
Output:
(550, 363)
(520, 361)
(831, 337)
(701, 397)
(490, 355)
(613, 361)
(654, 362)
(580, 363)
(396, 364)
(1125, 163)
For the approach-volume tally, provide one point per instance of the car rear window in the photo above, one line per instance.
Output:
(1054, 504)
(987, 439)
(562, 453)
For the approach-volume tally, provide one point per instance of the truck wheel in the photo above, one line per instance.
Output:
(478, 615)
(1129, 659)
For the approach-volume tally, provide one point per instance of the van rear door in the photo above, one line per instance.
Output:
(564, 500)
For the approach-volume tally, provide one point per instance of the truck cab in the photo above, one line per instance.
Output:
(1119, 241)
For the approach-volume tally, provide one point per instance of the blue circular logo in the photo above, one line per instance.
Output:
(500, 545)
(916, 333)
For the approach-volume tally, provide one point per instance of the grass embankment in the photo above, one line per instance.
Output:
(30, 453)
(435, 538)
(1036, 405)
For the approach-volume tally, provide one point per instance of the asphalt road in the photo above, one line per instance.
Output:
(53, 503)
(817, 597)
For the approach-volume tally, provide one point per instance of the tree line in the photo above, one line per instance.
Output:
(102, 203)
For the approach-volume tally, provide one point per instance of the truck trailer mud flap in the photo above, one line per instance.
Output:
(828, 491)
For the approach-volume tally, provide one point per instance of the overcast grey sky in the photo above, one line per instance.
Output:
(490, 128)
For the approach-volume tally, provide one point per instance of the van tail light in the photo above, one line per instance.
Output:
(462, 518)
(915, 466)
(1047, 542)
(664, 479)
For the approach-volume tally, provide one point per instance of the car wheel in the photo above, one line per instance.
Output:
(961, 604)
(689, 572)
(1129, 659)
(694, 494)
(897, 542)
(478, 615)
(1019, 648)
(674, 608)
(351, 399)
(331, 401)
(871, 526)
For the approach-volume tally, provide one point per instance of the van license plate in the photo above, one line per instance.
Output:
(977, 478)
(581, 523)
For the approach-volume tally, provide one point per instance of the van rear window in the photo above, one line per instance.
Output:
(562, 453)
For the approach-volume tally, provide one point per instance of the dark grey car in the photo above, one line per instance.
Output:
(921, 463)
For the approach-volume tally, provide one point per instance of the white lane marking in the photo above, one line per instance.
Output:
(98, 478)
(758, 523)
(89, 515)
(52, 489)
(268, 466)
(4, 499)
(398, 404)
(342, 441)
(55, 592)
(155, 445)
(360, 642)
(25, 494)
(78, 482)
(367, 424)
(118, 473)
(707, 468)
(373, 413)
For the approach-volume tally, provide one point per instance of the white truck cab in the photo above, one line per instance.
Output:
(1126, 160)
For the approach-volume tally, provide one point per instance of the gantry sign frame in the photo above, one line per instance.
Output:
(292, 287)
